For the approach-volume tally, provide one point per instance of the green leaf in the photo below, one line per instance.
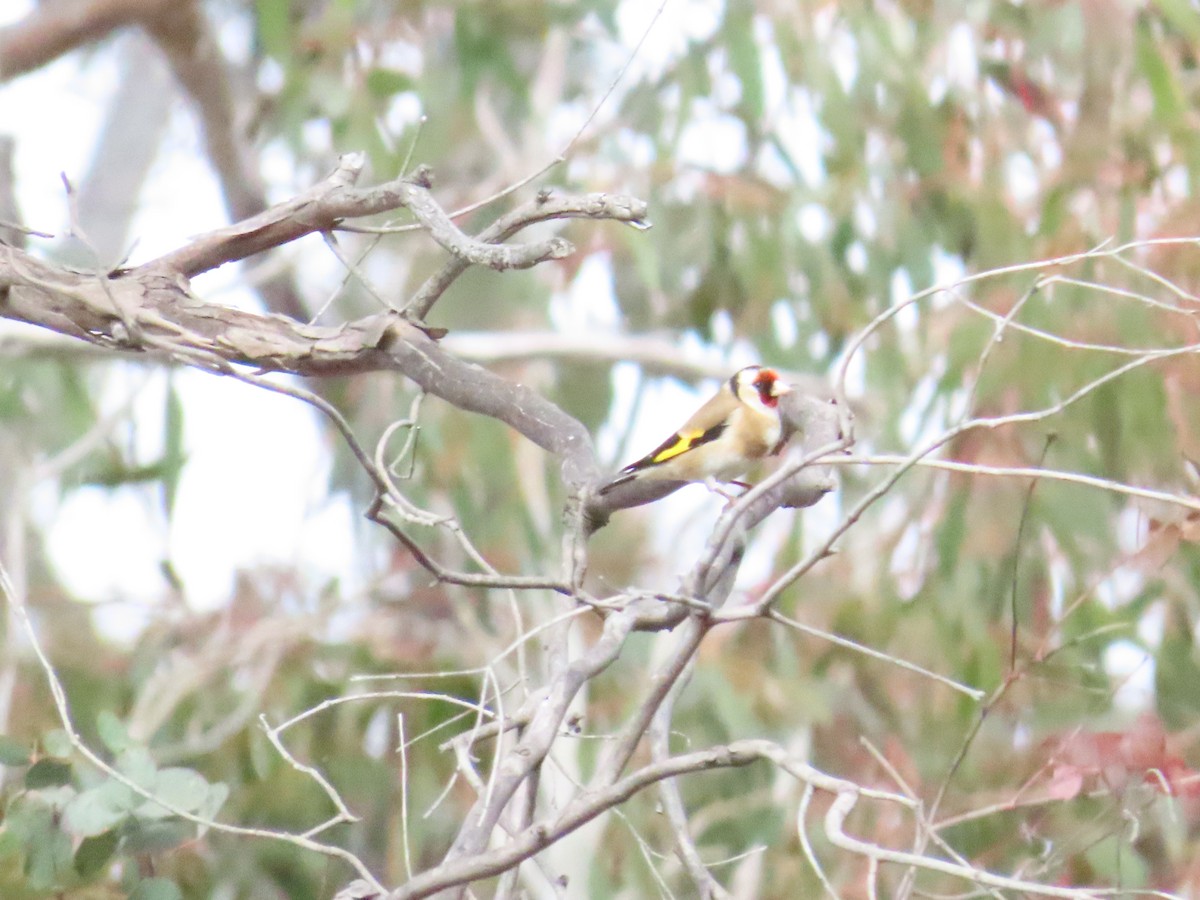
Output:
(745, 61)
(274, 26)
(48, 772)
(28, 817)
(183, 789)
(136, 764)
(13, 752)
(386, 82)
(48, 861)
(156, 889)
(1169, 100)
(95, 852)
(1183, 17)
(217, 795)
(484, 51)
(98, 809)
(112, 731)
(951, 534)
(1176, 672)
(174, 452)
(57, 743)
(10, 842)
(156, 836)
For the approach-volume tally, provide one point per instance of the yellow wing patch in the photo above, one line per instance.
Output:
(684, 441)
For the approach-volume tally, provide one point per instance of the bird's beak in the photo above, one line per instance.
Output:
(782, 387)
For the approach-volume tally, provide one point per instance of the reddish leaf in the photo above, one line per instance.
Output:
(1117, 758)
(1065, 782)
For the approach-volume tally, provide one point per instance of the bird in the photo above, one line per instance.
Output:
(738, 425)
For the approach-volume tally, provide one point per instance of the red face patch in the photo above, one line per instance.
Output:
(765, 384)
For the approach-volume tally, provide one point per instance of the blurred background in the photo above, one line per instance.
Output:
(193, 553)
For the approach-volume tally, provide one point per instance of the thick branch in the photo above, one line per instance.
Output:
(535, 743)
(317, 209)
(150, 308)
(620, 752)
(655, 356)
(147, 310)
(186, 39)
(57, 27)
(579, 812)
(324, 206)
(591, 804)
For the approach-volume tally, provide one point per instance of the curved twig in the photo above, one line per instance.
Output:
(546, 206)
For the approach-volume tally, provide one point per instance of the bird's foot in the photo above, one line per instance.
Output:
(724, 490)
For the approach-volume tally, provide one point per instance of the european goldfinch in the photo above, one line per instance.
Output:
(723, 437)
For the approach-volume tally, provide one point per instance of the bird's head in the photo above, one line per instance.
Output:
(755, 384)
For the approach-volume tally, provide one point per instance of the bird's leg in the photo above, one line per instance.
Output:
(723, 489)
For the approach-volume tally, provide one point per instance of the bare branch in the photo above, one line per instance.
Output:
(707, 887)
(165, 316)
(59, 26)
(1185, 501)
(592, 803)
(547, 206)
(835, 823)
(183, 33)
(771, 595)
(325, 205)
(317, 209)
(687, 642)
(1103, 251)
(548, 714)
(579, 812)
(414, 193)
(775, 615)
(185, 37)
(441, 573)
(181, 30)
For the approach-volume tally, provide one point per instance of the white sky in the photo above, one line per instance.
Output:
(257, 462)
